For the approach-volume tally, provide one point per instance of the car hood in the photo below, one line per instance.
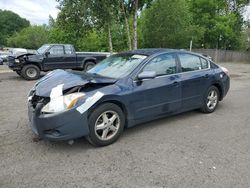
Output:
(24, 54)
(69, 79)
(35, 57)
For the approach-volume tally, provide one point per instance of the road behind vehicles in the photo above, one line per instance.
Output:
(124, 90)
(50, 57)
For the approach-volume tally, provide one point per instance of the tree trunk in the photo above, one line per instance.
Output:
(127, 26)
(110, 39)
(135, 25)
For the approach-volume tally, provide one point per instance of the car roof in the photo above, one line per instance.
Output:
(150, 51)
(51, 44)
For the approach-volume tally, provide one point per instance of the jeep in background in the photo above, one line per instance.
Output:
(53, 56)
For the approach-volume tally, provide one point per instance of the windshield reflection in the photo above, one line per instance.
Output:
(117, 66)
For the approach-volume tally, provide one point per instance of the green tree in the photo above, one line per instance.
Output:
(30, 37)
(73, 21)
(221, 21)
(166, 24)
(104, 13)
(130, 10)
(245, 39)
(82, 20)
(10, 23)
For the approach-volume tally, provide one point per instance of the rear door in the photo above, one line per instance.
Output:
(161, 95)
(55, 59)
(195, 79)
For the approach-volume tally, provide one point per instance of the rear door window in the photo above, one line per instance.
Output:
(190, 62)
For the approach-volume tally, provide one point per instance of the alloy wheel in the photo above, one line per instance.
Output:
(107, 125)
(212, 99)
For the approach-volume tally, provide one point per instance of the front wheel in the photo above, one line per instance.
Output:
(210, 100)
(106, 124)
(18, 72)
(30, 72)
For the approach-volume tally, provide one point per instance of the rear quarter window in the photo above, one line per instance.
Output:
(204, 63)
(213, 65)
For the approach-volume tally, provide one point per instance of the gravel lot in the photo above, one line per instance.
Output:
(187, 150)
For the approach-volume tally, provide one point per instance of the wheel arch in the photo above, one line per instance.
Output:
(33, 63)
(89, 59)
(219, 87)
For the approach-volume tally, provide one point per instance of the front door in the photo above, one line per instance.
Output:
(55, 58)
(161, 95)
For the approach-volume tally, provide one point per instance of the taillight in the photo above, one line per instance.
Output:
(225, 70)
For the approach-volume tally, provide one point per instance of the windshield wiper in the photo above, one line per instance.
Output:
(99, 75)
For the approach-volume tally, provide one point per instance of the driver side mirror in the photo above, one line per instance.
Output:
(47, 54)
(146, 75)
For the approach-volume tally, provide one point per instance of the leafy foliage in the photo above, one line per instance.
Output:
(166, 24)
(102, 25)
(30, 37)
(10, 23)
(221, 21)
(245, 39)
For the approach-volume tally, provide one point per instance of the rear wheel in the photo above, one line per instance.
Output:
(30, 72)
(88, 65)
(106, 124)
(210, 100)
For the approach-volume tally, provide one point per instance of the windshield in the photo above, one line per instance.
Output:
(117, 66)
(43, 48)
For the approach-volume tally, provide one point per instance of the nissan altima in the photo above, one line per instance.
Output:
(122, 91)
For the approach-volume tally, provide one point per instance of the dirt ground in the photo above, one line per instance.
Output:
(187, 150)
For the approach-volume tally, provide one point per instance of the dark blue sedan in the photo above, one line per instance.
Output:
(124, 90)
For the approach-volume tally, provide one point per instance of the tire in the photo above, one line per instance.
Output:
(106, 124)
(88, 65)
(18, 72)
(210, 100)
(30, 72)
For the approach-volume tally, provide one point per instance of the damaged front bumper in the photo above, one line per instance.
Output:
(14, 63)
(62, 126)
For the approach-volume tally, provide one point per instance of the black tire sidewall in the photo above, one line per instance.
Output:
(205, 107)
(18, 72)
(88, 63)
(92, 138)
(24, 72)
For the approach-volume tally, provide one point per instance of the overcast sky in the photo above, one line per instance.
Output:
(38, 11)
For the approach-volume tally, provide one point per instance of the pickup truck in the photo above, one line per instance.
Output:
(53, 56)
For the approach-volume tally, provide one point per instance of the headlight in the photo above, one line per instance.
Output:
(17, 61)
(62, 103)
